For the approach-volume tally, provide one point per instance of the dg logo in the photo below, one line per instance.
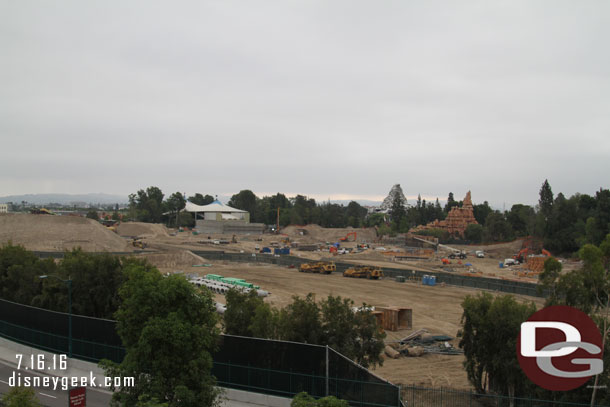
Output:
(559, 348)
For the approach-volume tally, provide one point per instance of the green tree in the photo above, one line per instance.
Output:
(397, 211)
(561, 233)
(92, 214)
(474, 233)
(545, 205)
(481, 211)
(96, 279)
(199, 199)
(369, 344)
(545, 202)
(168, 328)
(451, 202)
(355, 214)
(175, 203)
(305, 400)
(589, 290)
(375, 219)
(300, 321)
(522, 219)
(497, 229)
(265, 322)
(240, 312)
(147, 205)
(490, 330)
(602, 215)
(244, 200)
(20, 397)
(19, 271)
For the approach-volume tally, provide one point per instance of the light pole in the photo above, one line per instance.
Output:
(69, 282)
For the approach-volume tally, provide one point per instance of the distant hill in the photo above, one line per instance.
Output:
(65, 199)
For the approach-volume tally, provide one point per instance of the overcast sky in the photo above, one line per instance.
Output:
(331, 99)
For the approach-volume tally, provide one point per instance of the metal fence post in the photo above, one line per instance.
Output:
(327, 370)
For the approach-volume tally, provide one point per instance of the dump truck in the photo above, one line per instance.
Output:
(369, 272)
(323, 267)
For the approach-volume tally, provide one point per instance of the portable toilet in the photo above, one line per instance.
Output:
(426, 279)
(432, 280)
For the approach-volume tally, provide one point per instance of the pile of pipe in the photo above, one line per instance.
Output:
(219, 287)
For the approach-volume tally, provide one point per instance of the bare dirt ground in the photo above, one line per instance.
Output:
(57, 233)
(141, 229)
(380, 254)
(436, 309)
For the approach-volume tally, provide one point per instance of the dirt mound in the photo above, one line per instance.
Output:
(57, 233)
(142, 229)
(175, 260)
(317, 233)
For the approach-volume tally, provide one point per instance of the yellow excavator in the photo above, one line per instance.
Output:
(369, 272)
(323, 267)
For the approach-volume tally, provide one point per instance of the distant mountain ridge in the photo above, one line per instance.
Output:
(66, 199)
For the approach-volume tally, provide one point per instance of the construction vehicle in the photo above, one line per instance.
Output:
(369, 272)
(521, 257)
(41, 211)
(457, 254)
(322, 267)
(110, 224)
(139, 243)
(345, 239)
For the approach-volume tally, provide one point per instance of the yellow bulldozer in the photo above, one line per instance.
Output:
(322, 267)
(139, 243)
(369, 272)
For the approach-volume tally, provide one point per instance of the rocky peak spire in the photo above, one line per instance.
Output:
(396, 191)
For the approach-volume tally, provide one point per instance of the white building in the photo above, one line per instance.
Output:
(3, 208)
(222, 219)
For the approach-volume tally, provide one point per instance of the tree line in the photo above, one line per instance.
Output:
(491, 325)
(168, 317)
(563, 224)
(331, 322)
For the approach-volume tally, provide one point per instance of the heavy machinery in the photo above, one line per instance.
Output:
(457, 254)
(322, 267)
(345, 239)
(139, 243)
(110, 224)
(531, 246)
(369, 272)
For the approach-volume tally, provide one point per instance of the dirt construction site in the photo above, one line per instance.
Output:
(436, 309)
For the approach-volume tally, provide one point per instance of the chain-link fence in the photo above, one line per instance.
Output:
(485, 283)
(415, 396)
(266, 366)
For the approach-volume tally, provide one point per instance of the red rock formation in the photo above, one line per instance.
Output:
(457, 220)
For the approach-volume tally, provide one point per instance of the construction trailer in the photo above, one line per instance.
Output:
(396, 318)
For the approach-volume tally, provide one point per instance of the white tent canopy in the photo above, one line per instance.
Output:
(215, 206)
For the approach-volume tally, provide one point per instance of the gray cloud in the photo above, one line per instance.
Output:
(322, 98)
